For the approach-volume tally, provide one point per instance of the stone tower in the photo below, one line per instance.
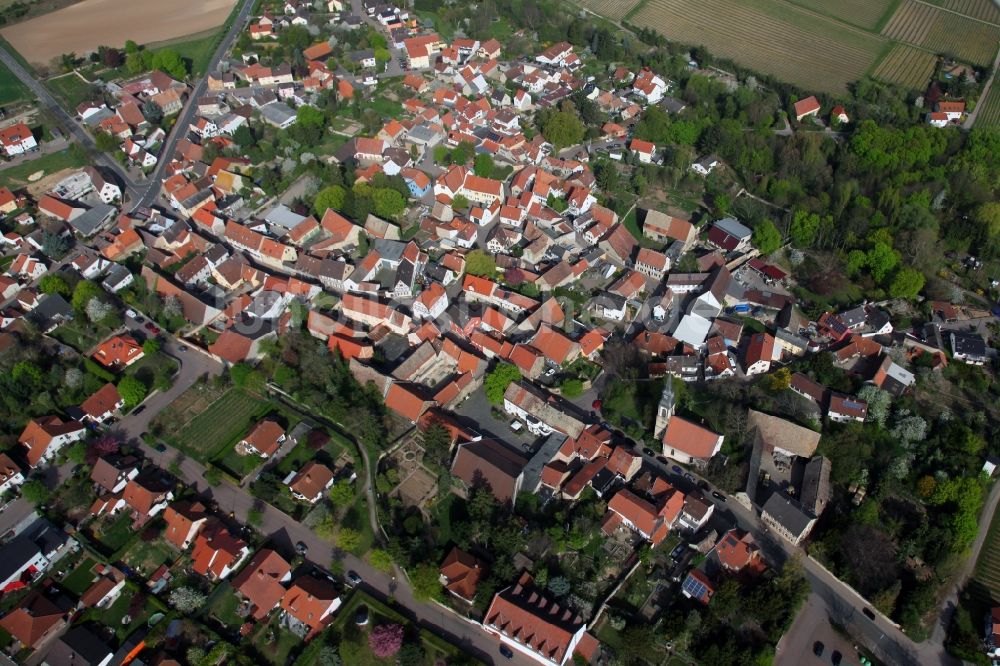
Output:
(665, 409)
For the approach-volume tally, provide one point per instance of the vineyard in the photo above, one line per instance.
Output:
(980, 9)
(989, 108)
(792, 44)
(906, 66)
(862, 13)
(613, 9)
(823, 45)
(941, 31)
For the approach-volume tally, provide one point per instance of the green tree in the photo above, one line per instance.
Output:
(804, 229)
(54, 284)
(381, 560)
(132, 391)
(348, 539)
(333, 196)
(766, 237)
(342, 494)
(27, 374)
(295, 37)
(460, 202)
(498, 380)
(84, 291)
(907, 283)
(881, 259)
(571, 388)
(105, 142)
(563, 128)
(484, 165)
(478, 262)
(170, 61)
(388, 202)
(426, 583)
(246, 377)
(463, 152)
(35, 492)
(151, 347)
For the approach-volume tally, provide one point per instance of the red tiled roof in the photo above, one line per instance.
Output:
(462, 572)
(523, 614)
(260, 581)
(690, 438)
(104, 400)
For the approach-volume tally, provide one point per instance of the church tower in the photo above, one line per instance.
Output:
(665, 409)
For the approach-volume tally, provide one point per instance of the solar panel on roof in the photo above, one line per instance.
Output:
(694, 587)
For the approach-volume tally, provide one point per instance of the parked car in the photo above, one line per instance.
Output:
(132, 314)
(506, 652)
(818, 648)
(868, 613)
(719, 496)
(353, 578)
(836, 658)
(161, 447)
(301, 548)
(361, 618)
(139, 410)
(676, 470)
(649, 452)
(152, 328)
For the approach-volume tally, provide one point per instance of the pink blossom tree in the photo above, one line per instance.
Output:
(385, 640)
(103, 446)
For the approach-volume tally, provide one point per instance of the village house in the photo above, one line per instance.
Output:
(102, 405)
(264, 439)
(689, 443)
(217, 553)
(460, 573)
(806, 107)
(118, 352)
(310, 482)
(44, 437)
(185, 520)
(308, 604)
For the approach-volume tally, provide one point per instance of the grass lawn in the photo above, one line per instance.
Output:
(354, 639)
(114, 534)
(147, 556)
(17, 176)
(275, 643)
(145, 368)
(222, 605)
(220, 426)
(133, 602)
(237, 465)
(76, 335)
(71, 89)
(80, 579)
(11, 88)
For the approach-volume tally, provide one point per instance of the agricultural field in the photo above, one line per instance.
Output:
(941, 31)
(987, 572)
(792, 43)
(989, 109)
(906, 66)
(615, 10)
(82, 27)
(823, 45)
(865, 14)
(984, 10)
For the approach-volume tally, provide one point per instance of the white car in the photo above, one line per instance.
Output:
(515, 425)
(131, 314)
(550, 372)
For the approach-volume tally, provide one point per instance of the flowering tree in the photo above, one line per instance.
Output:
(385, 640)
(103, 446)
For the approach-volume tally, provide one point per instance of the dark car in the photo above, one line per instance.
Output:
(868, 613)
(183, 348)
(719, 496)
(353, 578)
(361, 617)
(836, 658)
(506, 652)
(139, 410)
(649, 452)
(689, 476)
(677, 551)
(818, 648)
(676, 470)
(301, 548)
(161, 447)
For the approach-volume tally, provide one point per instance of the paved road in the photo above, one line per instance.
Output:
(812, 624)
(283, 529)
(880, 635)
(79, 133)
(145, 197)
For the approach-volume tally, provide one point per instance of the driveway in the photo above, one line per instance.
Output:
(812, 624)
